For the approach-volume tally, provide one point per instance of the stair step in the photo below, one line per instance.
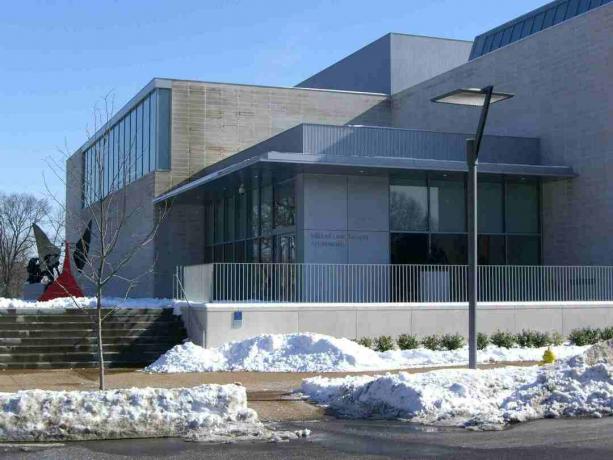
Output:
(125, 355)
(76, 365)
(21, 319)
(83, 347)
(71, 341)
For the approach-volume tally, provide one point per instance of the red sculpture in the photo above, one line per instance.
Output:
(64, 285)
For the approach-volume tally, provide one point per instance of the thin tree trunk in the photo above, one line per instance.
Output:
(99, 330)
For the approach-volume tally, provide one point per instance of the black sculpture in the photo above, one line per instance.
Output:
(48, 257)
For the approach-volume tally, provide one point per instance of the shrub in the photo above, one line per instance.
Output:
(533, 339)
(384, 343)
(503, 339)
(432, 342)
(452, 341)
(585, 336)
(606, 333)
(556, 338)
(407, 342)
(482, 341)
(366, 342)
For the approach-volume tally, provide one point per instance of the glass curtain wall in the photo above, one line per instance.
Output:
(252, 224)
(428, 220)
(135, 145)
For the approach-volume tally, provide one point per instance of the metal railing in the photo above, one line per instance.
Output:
(352, 283)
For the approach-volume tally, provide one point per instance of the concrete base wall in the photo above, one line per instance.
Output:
(211, 325)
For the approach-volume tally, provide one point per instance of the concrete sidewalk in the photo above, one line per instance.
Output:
(269, 393)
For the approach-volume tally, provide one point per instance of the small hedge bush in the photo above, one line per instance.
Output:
(432, 342)
(384, 343)
(452, 341)
(503, 339)
(533, 339)
(586, 336)
(556, 338)
(407, 342)
(607, 333)
(482, 341)
(366, 342)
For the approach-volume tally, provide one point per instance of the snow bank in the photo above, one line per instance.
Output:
(90, 302)
(481, 399)
(203, 412)
(308, 352)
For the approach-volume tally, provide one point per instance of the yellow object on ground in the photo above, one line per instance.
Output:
(548, 356)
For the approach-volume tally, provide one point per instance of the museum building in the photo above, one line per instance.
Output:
(357, 165)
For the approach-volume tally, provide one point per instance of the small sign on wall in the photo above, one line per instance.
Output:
(237, 319)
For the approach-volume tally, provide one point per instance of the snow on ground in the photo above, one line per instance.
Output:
(308, 352)
(477, 399)
(203, 413)
(90, 302)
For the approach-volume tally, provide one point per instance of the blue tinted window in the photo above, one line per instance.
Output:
(560, 13)
(506, 36)
(549, 15)
(516, 34)
(538, 22)
(487, 47)
(153, 130)
(146, 157)
(139, 140)
(497, 40)
(527, 27)
(583, 6)
(572, 8)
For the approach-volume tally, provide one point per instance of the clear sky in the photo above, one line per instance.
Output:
(59, 58)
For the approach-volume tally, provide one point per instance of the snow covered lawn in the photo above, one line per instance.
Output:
(478, 399)
(90, 302)
(204, 413)
(308, 352)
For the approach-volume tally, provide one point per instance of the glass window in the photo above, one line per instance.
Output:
(146, 156)
(409, 248)
(209, 223)
(208, 254)
(239, 252)
(139, 140)
(266, 249)
(448, 249)
(491, 250)
(516, 34)
(506, 36)
(583, 6)
(153, 130)
(126, 150)
(229, 216)
(133, 152)
(522, 207)
(447, 204)
(549, 15)
(285, 251)
(253, 203)
(490, 209)
(252, 250)
(527, 27)
(538, 22)
(219, 221)
(409, 204)
(523, 250)
(572, 8)
(497, 40)
(560, 13)
(266, 218)
(241, 216)
(285, 208)
(228, 252)
(218, 253)
(488, 43)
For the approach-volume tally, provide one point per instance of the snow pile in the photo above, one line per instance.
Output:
(202, 412)
(90, 302)
(304, 352)
(308, 352)
(483, 399)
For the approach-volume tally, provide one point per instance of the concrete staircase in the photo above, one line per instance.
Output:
(51, 338)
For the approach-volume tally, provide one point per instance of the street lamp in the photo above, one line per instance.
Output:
(477, 98)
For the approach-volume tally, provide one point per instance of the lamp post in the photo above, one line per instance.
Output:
(477, 98)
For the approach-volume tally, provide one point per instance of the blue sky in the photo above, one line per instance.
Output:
(59, 58)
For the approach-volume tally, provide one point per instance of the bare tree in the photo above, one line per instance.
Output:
(119, 230)
(18, 212)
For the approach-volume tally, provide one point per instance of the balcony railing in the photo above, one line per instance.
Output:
(339, 283)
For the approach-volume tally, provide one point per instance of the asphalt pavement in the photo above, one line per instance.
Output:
(337, 439)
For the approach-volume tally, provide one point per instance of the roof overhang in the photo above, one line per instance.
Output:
(372, 163)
